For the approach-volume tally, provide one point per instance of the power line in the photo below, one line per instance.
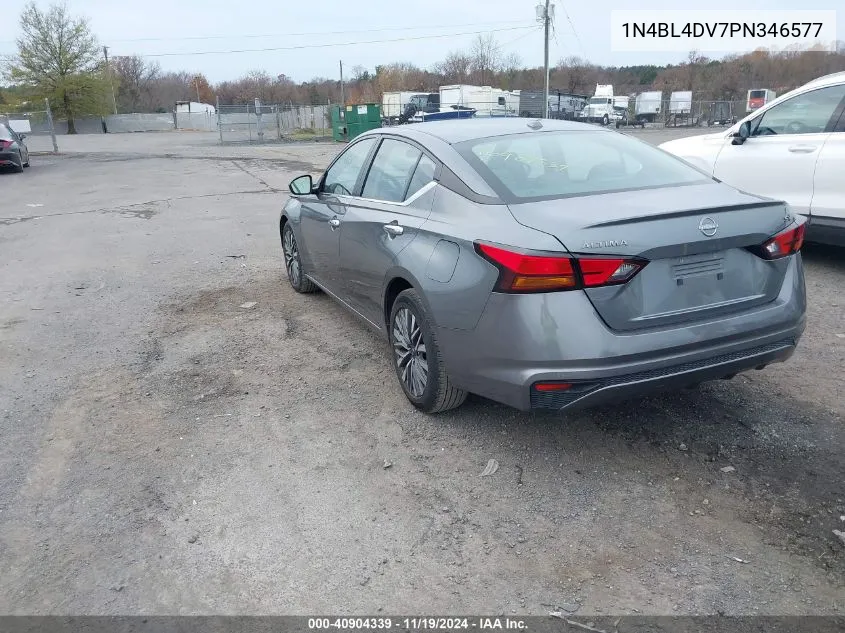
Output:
(574, 32)
(265, 35)
(303, 46)
(522, 36)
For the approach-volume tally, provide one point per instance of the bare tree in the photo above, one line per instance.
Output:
(511, 66)
(455, 68)
(134, 79)
(168, 88)
(486, 57)
(575, 75)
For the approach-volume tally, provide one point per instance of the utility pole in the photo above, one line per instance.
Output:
(111, 83)
(546, 14)
(342, 99)
(197, 84)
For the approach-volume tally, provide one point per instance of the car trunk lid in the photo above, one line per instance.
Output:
(695, 239)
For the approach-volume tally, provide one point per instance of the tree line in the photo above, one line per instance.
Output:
(59, 58)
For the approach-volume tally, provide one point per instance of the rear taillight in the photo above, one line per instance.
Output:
(5, 144)
(785, 243)
(528, 272)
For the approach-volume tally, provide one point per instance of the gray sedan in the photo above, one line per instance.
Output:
(546, 264)
(13, 151)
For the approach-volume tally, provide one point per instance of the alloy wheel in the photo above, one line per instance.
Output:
(291, 252)
(410, 352)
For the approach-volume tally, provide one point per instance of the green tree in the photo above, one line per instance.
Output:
(58, 58)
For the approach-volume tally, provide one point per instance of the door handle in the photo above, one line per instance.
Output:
(393, 229)
(334, 223)
(802, 149)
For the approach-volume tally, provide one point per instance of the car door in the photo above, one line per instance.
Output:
(321, 214)
(780, 156)
(828, 206)
(395, 200)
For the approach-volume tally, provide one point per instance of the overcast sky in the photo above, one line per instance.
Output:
(227, 25)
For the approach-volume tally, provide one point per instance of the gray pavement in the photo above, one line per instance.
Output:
(167, 451)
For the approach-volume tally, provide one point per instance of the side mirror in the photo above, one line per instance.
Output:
(22, 136)
(301, 186)
(742, 133)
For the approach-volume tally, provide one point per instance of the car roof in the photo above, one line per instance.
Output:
(456, 131)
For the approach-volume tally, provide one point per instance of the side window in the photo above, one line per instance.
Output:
(423, 174)
(391, 171)
(808, 113)
(501, 101)
(342, 176)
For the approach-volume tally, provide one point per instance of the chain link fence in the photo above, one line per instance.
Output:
(260, 123)
(38, 127)
(679, 114)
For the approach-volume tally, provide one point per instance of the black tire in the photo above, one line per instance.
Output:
(293, 263)
(605, 120)
(438, 393)
(19, 167)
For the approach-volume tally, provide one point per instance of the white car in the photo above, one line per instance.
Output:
(791, 149)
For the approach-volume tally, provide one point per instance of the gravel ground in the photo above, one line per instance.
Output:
(167, 450)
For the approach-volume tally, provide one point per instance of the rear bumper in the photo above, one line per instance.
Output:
(524, 339)
(622, 387)
(9, 158)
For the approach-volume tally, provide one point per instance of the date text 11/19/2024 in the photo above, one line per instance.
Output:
(417, 623)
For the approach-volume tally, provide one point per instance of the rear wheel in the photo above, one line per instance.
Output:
(293, 263)
(19, 167)
(416, 357)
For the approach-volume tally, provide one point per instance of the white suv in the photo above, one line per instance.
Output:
(791, 149)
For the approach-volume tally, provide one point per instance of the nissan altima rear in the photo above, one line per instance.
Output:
(664, 277)
(546, 265)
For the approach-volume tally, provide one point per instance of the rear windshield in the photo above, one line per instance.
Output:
(758, 94)
(547, 165)
(5, 133)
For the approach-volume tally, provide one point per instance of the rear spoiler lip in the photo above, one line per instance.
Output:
(688, 212)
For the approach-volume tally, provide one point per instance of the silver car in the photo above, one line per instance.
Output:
(546, 264)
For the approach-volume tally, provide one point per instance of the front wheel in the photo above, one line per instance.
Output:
(605, 120)
(416, 357)
(293, 263)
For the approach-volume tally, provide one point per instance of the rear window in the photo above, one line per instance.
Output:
(758, 94)
(547, 165)
(5, 133)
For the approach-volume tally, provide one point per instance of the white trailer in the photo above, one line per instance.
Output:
(647, 106)
(393, 104)
(485, 100)
(680, 103)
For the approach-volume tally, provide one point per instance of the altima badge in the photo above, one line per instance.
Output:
(708, 226)
(605, 244)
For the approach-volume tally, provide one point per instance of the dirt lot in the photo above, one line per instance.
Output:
(167, 451)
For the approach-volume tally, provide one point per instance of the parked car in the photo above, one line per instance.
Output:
(792, 149)
(545, 264)
(13, 151)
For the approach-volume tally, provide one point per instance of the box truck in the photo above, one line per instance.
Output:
(758, 98)
(647, 106)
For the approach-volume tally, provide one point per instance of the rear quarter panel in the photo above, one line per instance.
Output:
(441, 261)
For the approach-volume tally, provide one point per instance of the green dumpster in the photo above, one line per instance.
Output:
(338, 123)
(349, 122)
